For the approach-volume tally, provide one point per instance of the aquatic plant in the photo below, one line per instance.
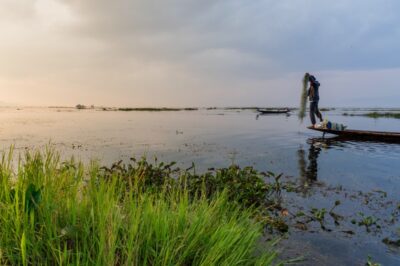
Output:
(67, 213)
(242, 108)
(383, 115)
(391, 242)
(80, 106)
(376, 115)
(367, 221)
(371, 263)
(336, 217)
(302, 219)
(325, 109)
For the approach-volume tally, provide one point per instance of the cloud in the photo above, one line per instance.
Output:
(177, 52)
(324, 35)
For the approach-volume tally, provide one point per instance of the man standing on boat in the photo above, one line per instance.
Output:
(313, 95)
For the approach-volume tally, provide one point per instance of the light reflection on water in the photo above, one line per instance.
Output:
(215, 138)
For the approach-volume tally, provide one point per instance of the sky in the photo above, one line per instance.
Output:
(179, 53)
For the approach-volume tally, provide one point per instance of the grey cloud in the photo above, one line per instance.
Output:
(298, 34)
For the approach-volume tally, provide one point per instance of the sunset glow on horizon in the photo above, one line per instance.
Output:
(198, 53)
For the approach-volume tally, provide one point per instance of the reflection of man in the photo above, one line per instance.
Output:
(309, 170)
(312, 170)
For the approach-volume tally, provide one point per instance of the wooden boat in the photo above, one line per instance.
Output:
(273, 111)
(362, 134)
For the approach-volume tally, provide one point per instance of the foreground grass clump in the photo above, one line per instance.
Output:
(61, 213)
(245, 186)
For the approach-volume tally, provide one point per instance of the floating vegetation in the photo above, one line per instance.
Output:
(371, 263)
(160, 109)
(152, 109)
(367, 221)
(383, 115)
(376, 115)
(60, 107)
(255, 108)
(241, 108)
(390, 242)
(325, 109)
(80, 106)
(317, 215)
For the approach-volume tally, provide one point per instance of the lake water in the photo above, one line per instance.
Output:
(216, 138)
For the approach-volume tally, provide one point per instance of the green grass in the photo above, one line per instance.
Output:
(67, 213)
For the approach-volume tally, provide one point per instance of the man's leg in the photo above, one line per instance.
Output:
(319, 115)
(312, 112)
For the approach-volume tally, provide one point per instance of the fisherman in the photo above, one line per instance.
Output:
(313, 95)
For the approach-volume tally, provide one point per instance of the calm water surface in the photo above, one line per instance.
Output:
(216, 138)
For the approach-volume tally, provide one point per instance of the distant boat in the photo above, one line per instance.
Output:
(274, 111)
(362, 134)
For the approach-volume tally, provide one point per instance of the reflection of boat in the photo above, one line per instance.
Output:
(362, 134)
(274, 111)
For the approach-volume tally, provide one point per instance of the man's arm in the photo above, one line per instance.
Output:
(310, 90)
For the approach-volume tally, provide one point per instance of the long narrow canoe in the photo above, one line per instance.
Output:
(362, 134)
(271, 111)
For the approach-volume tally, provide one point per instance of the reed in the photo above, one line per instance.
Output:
(57, 212)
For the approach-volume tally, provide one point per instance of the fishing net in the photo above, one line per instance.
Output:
(303, 100)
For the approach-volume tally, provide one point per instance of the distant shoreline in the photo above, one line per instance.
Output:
(209, 108)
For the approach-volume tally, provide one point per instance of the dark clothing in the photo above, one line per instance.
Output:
(314, 111)
(313, 91)
(313, 95)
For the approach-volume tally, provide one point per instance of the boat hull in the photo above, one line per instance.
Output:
(273, 111)
(362, 134)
